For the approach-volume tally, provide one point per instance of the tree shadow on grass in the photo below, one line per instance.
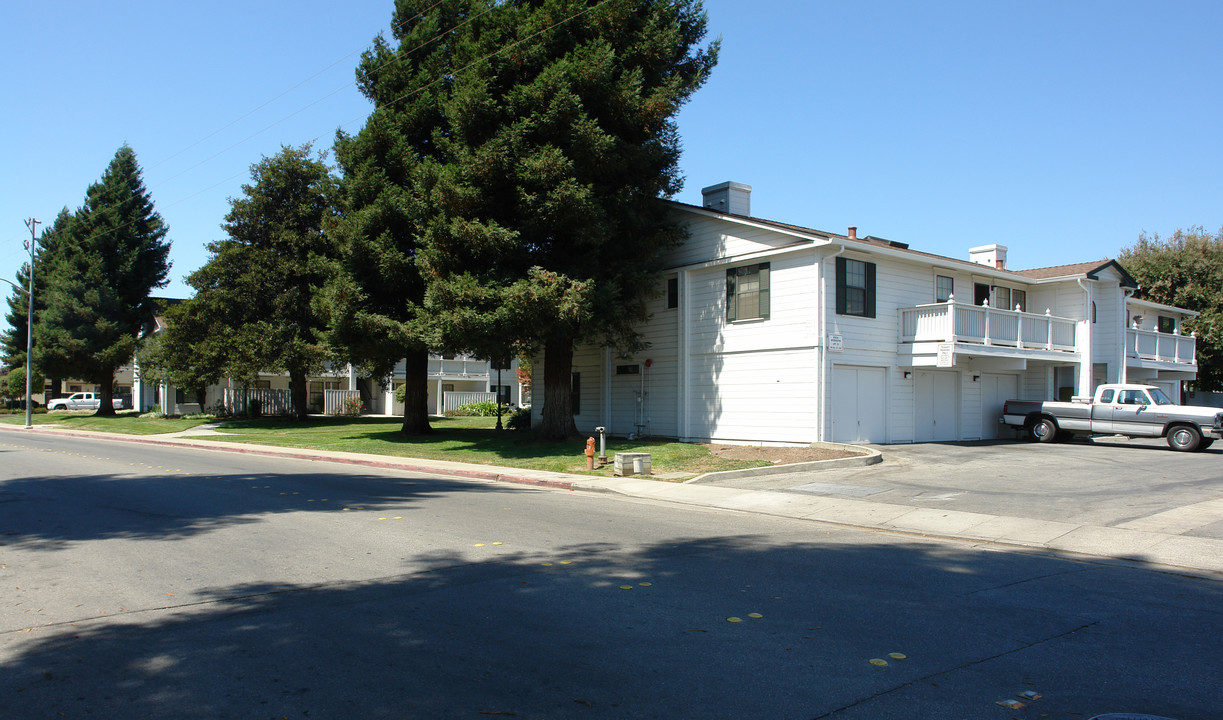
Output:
(598, 631)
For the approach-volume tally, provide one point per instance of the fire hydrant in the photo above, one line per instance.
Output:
(590, 453)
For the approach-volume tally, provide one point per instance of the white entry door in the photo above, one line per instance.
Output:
(858, 403)
(995, 391)
(936, 406)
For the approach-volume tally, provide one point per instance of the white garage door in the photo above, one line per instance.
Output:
(858, 404)
(995, 391)
(936, 406)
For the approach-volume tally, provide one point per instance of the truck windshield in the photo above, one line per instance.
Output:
(1158, 396)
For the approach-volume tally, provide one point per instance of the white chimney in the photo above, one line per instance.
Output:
(992, 255)
(729, 197)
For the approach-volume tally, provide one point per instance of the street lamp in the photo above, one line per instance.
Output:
(29, 340)
(32, 224)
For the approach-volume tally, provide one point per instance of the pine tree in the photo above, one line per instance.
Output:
(97, 294)
(13, 339)
(544, 222)
(253, 307)
(375, 297)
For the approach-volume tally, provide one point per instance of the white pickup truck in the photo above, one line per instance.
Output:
(82, 401)
(1133, 410)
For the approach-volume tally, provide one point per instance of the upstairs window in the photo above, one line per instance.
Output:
(1166, 325)
(855, 288)
(747, 293)
(944, 288)
(1019, 299)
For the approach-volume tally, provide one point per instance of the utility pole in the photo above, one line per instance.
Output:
(29, 323)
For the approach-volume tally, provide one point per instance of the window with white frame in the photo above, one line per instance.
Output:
(944, 288)
(747, 292)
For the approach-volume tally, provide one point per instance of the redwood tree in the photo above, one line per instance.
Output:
(540, 191)
(107, 262)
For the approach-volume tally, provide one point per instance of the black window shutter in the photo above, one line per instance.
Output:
(870, 290)
(841, 286)
(764, 290)
(731, 305)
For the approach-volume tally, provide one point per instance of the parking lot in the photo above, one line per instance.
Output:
(1134, 484)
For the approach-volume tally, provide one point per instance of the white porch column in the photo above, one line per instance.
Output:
(1083, 342)
(439, 406)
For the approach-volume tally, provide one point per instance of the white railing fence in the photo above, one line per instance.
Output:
(334, 400)
(1163, 347)
(956, 322)
(455, 400)
(271, 402)
(458, 367)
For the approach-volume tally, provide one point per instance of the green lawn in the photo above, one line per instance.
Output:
(458, 439)
(125, 423)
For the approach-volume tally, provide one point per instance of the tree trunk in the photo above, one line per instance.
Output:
(297, 394)
(416, 394)
(557, 418)
(106, 404)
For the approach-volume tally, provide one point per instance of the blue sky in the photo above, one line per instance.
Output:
(1059, 129)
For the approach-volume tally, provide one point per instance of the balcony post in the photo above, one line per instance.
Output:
(1049, 322)
(950, 334)
(986, 306)
(1018, 327)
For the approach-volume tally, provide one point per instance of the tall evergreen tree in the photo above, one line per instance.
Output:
(375, 297)
(544, 222)
(253, 307)
(13, 339)
(1186, 270)
(97, 293)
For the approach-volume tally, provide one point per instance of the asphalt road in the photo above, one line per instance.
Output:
(1127, 483)
(142, 581)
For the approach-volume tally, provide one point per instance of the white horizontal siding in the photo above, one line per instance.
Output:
(793, 304)
(710, 238)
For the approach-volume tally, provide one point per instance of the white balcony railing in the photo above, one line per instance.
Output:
(952, 322)
(1162, 347)
(458, 367)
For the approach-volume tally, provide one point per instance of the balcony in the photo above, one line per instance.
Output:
(953, 322)
(1149, 347)
(465, 368)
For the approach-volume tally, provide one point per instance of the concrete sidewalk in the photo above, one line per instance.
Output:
(1126, 544)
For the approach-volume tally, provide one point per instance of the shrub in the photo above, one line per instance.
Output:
(350, 407)
(519, 420)
(479, 409)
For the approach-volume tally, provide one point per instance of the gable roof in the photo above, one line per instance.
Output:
(1090, 270)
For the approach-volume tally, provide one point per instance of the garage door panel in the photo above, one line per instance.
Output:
(858, 404)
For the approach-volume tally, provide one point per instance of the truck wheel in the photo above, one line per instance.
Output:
(1043, 430)
(1206, 442)
(1184, 438)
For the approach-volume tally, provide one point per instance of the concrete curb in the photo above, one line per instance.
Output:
(871, 456)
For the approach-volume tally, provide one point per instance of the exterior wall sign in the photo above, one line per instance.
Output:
(946, 355)
(836, 343)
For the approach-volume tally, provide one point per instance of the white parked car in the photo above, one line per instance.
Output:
(82, 401)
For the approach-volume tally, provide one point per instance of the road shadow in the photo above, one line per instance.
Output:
(664, 630)
(45, 511)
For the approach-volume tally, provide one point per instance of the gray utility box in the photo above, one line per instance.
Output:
(632, 464)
